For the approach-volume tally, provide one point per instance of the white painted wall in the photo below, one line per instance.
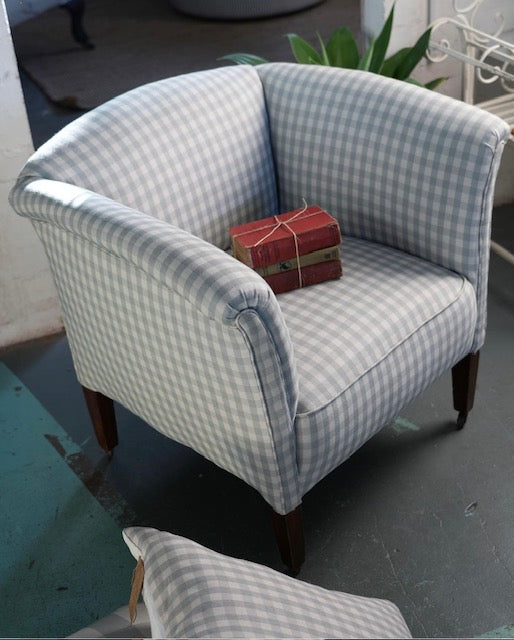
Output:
(410, 21)
(412, 17)
(28, 300)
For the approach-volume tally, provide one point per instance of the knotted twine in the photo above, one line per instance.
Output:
(278, 224)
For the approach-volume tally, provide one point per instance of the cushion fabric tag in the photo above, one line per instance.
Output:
(137, 587)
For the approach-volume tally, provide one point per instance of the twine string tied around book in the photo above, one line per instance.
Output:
(284, 223)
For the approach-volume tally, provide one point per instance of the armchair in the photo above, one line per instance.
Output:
(133, 201)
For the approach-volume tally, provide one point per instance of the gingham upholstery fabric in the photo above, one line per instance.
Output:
(192, 150)
(394, 163)
(193, 592)
(177, 331)
(118, 625)
(275, 390)
(367, 344)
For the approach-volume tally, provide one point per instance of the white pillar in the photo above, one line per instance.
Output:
(28, 300)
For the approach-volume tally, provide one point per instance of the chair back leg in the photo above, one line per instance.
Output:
(464, 378)
(289, 533)
(101, 410)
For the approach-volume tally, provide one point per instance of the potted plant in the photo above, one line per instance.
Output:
(341, 51)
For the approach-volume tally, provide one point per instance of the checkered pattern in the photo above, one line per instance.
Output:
(180, 333)
(192, 592)
(341, 329)
(394, 163)
(192, 150)
(118, 625)
(367, 344)
(131, 199)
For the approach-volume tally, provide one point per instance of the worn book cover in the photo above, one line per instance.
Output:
(312, 274)
(314, 257)
(285, 236)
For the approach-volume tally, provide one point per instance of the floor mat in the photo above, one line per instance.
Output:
(137, 41)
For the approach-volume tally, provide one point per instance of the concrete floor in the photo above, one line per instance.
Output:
(422, 515)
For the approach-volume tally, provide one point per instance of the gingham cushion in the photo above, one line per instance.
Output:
(367, 344)
(192, 592)
(341, 329)
(118, 625)
(193, 150)
(395, 164)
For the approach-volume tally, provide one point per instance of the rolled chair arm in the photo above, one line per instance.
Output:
(216, 284)
(156, 312)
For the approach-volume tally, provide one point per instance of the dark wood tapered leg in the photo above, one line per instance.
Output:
(101, 410)
(289, 534)
(464, 379)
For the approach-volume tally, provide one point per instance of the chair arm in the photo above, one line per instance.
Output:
(175, 329)
(395, 163)
(216, 284)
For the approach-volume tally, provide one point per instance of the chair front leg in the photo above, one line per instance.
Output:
(464, 379)
(101, 410)
(289, 534)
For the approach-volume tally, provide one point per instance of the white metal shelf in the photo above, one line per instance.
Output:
(487, 58)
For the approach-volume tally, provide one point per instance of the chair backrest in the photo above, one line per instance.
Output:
(193, 150)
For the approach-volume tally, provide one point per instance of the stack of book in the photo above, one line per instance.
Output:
(291, 250)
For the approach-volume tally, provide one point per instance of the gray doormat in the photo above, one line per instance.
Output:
(139, 41)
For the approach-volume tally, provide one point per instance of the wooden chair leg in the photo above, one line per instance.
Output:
(289, 534)
(464, 378)
(101, 410)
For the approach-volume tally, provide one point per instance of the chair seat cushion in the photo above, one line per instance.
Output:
(193, 592)
(395, 322)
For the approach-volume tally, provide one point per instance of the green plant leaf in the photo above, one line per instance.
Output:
(366, 58)
(342, 49)
(391, 64)
(413, 57)
(414, 81)
(381, 44)
(433, 84)
(302, 50)
(244, 58)
(324, 55)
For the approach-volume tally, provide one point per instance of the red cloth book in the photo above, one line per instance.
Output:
(307, 259)
(312, 274)
(285, 236)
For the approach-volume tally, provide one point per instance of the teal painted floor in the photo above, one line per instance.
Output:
(502, 632)
(63, 562)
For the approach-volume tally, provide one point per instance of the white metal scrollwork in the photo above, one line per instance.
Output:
(491, 56)
(486, 57)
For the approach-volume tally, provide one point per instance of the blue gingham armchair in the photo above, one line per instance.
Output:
(133, 202)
